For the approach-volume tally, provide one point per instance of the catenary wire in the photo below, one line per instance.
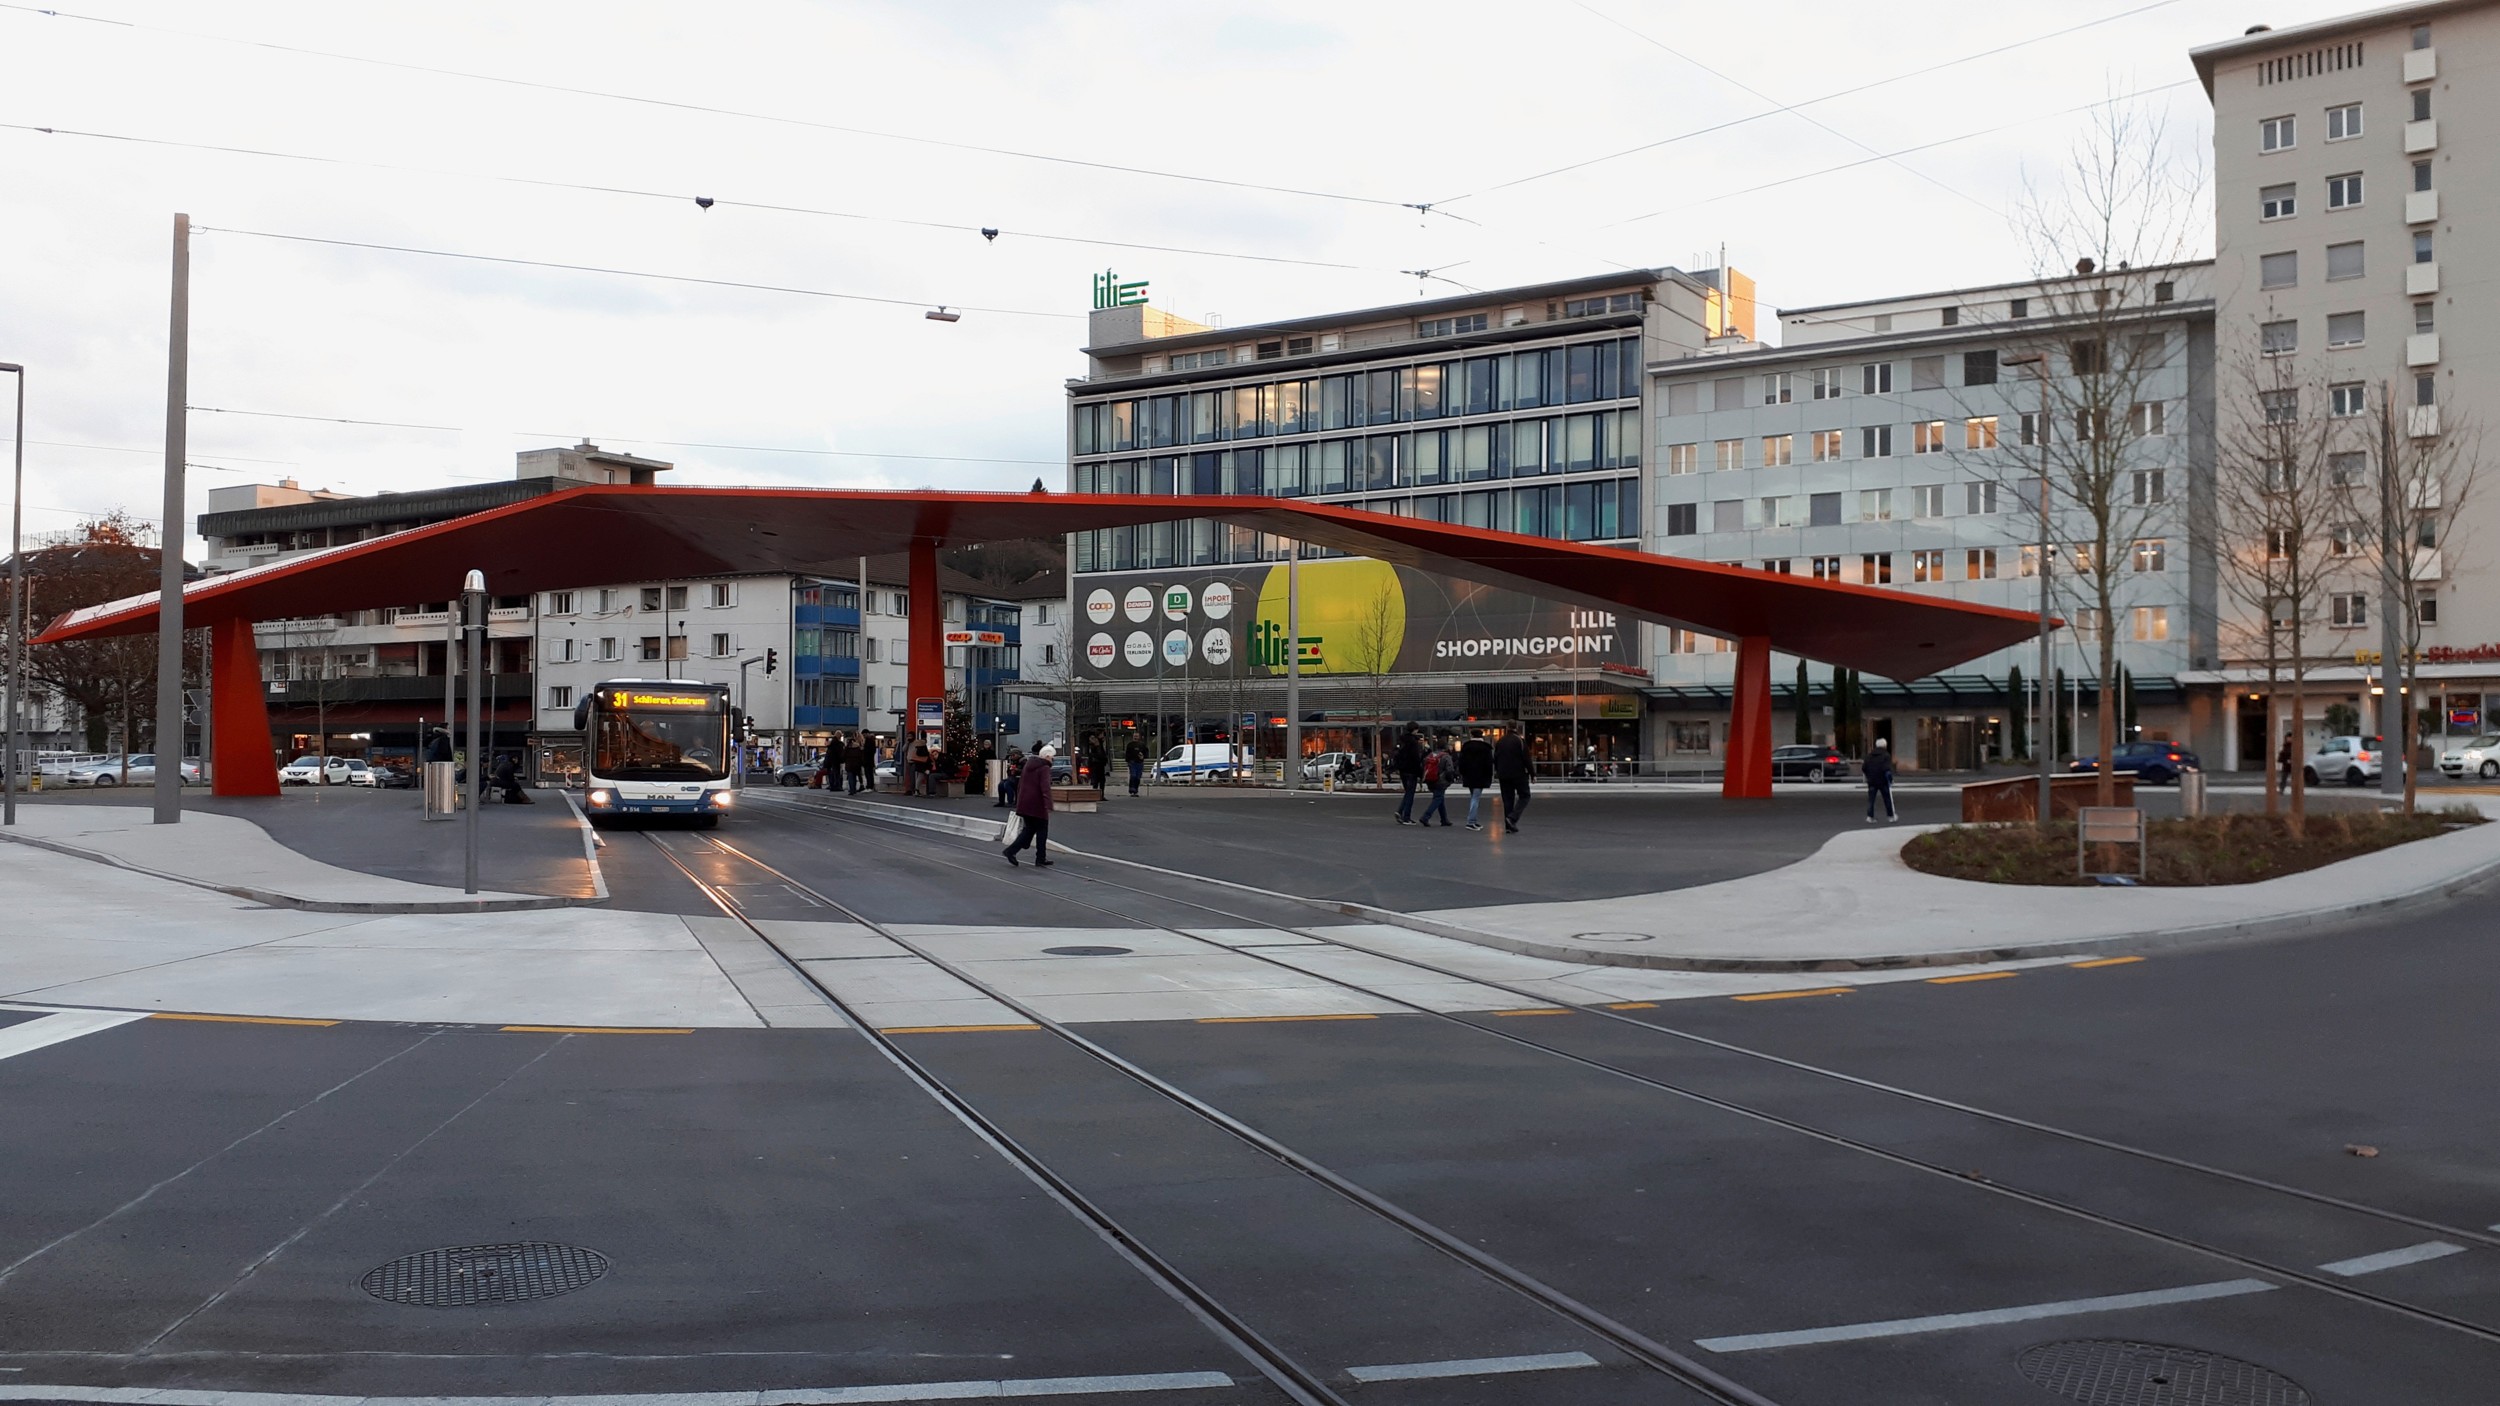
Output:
(1834, 96)
(554, 434)
(679, 105)
(623, 273)
(678, 197)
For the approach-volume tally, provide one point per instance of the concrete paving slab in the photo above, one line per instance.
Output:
(780, 996)
(812, 941)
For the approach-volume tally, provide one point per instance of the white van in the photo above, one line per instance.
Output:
(1212, 761)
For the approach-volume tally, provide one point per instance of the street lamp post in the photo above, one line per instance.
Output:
(473, 612)
(17, 600)
(2042, 748)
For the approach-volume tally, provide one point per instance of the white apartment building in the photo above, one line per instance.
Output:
(1894, 443)
(2357, 221)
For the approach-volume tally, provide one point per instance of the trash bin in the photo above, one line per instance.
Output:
(2192, 792)
(442, 791)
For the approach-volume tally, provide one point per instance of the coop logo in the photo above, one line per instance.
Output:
(1100, 651)
(1101, 606)
(1216, 599)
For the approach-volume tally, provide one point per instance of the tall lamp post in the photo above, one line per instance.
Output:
(2043, 749)
(17, 598)
(473, 616)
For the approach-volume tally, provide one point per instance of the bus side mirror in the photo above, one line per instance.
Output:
(581, 716)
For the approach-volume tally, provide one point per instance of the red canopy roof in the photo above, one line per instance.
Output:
(599, 535)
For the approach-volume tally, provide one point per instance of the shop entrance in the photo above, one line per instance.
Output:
(2255, 747)
(1949, 744)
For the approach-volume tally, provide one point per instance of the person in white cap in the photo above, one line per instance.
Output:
(1033, 808)
(1879, 781)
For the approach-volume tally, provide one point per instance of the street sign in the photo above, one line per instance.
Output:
(929, 712)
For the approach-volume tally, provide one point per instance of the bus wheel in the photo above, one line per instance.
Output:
(707, 822)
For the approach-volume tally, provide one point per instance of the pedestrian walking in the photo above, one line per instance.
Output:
(1475, 772)
(855, 764)
(1098, 757)
(1033, 809)
(1879, 781)
(2283, 761)
(1136, 764)
(1510, 768)
(1440, 769)
(1408, 762)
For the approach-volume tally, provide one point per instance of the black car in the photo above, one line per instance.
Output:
(2153, 763)
(1808, 764)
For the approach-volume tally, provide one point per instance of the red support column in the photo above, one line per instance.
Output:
(1749, 723)
(240, 759)
(926, 670)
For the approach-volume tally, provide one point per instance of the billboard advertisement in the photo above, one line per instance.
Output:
(1358, 617)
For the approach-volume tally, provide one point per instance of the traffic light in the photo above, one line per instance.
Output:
(772, 660)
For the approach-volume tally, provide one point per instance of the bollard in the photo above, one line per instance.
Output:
(2192, 793)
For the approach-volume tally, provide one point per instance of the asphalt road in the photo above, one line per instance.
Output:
(193, 1203)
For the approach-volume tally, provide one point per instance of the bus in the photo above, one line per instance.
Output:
(656, 747)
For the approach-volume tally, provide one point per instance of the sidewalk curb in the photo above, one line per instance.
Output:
(274, 899)
(943, 822)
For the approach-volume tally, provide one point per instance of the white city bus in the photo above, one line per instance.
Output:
(656, 747)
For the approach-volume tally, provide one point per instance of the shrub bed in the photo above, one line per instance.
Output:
(2214, 849)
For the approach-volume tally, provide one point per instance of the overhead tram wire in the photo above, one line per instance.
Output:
(679, 105)
(1779, 108)
(675, 197)
(565, 434)
(624, 273)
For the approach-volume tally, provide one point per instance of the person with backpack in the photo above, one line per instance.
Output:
(1440, 769)
(1510, 768)
(1136, 764)
(1475, 772)
(1408, 762)
(1879, 781)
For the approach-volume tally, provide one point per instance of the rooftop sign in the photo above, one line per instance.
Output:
(1110, 292)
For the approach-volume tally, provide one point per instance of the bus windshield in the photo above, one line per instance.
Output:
(646, 746)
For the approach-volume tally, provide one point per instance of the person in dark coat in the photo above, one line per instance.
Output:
(859, 760)
(1033, 803)
(1007, 777)
(1475, 772)
(1440, 770)
(1136, 764)
(438, 745)
(1510, 768)
(1408, 761)
(1879, 781)
(1098, 757)
(506, 777)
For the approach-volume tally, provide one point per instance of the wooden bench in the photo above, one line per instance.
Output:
(2108, 825)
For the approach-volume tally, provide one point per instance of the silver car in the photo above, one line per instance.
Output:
(2479, 758)
(142, 772)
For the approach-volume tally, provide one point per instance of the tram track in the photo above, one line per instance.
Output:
(1298, 1381)
(2292, 1274)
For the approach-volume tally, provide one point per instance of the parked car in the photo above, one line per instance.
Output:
(394, 778)
(2351, 760)
(1797, 763)
(794, 773)
(1345, 766)
(2480, 757)
(1202, 761)
(108, 771)
(2153, 763)
(310, 771)
(362, 773)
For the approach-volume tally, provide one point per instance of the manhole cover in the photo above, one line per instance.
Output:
(2110, 1372)
(468, 1274)
(1615, 937)
(1089, 951)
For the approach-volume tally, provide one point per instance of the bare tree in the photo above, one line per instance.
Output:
(2423, 485)
(1372, 647)
(2124, 218)
(2283, 505)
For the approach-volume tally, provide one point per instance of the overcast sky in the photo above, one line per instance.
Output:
(1367, 106)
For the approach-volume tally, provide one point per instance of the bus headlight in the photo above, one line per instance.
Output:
(600, 798)
(722, 798)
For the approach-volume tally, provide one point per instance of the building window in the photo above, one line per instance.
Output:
(2281, 407)
(2344, 329)
(2146, 417)
(2088, 625)
(1680, 519)
(1927, 437)
(1826, 445)
(1875, 505)
(2277, 202)
(2421, 36)
(2018, 308)
(1731, 454)
(1875, 378)
(2164, 291)
(720, 646)
(2278, 270)
(2345, 261)
(2348, 610)
(723, 594)
(1979, 499)
(1452, 326)
(2150, 554)
(1826, 568)
(1827, 383)
(650, 647)
(2343, 123)
(1823, 510)
(1979, 368)
(1979, 432)
(2425, 317)
(1926, 566)
(560, 603)
(2027, 565)
(1875, 568)
(868, 648)
(2280, 338)
(868, 697)
(2343, 192)
(1875, 442)
(2145, 487)
(2029, 429)
(2152, 623)
(1778, 449)
(2091, 423)
(2278, 134)
(2346, 400)
(2088, 358)
(2421, 104)
(1952, 317)
(650, 597)
(2426, 609)
(1778, 512)
(2421, 175)
(559, 695)
(1727, 515)
(1775, 389)
(2422, 246)
(607, 646)
(1927, 500)
(1926, 373)
(2426, 390)
(1683, 458)
(1979, 564)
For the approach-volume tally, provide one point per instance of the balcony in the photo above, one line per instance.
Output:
(2421, 206)
(2422, 421)
(420, 619)
(2421, 279)
(2422, 349)
(404, 688)
(2421, 65)
(2421, 136)
(507, 615)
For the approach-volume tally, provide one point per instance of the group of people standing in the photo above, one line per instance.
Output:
(846, 765)
(1477, 763)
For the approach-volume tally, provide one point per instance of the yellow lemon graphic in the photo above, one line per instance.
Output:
(1353, 618)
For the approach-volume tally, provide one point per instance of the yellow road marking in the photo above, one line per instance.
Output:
(241, 1019)
(1633, 1006)
(1792, 995)
(592, 1030)
(2106, 962)
(1537, 1010)
(1259, 1019)
(947, 1029)
(1970, 976)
